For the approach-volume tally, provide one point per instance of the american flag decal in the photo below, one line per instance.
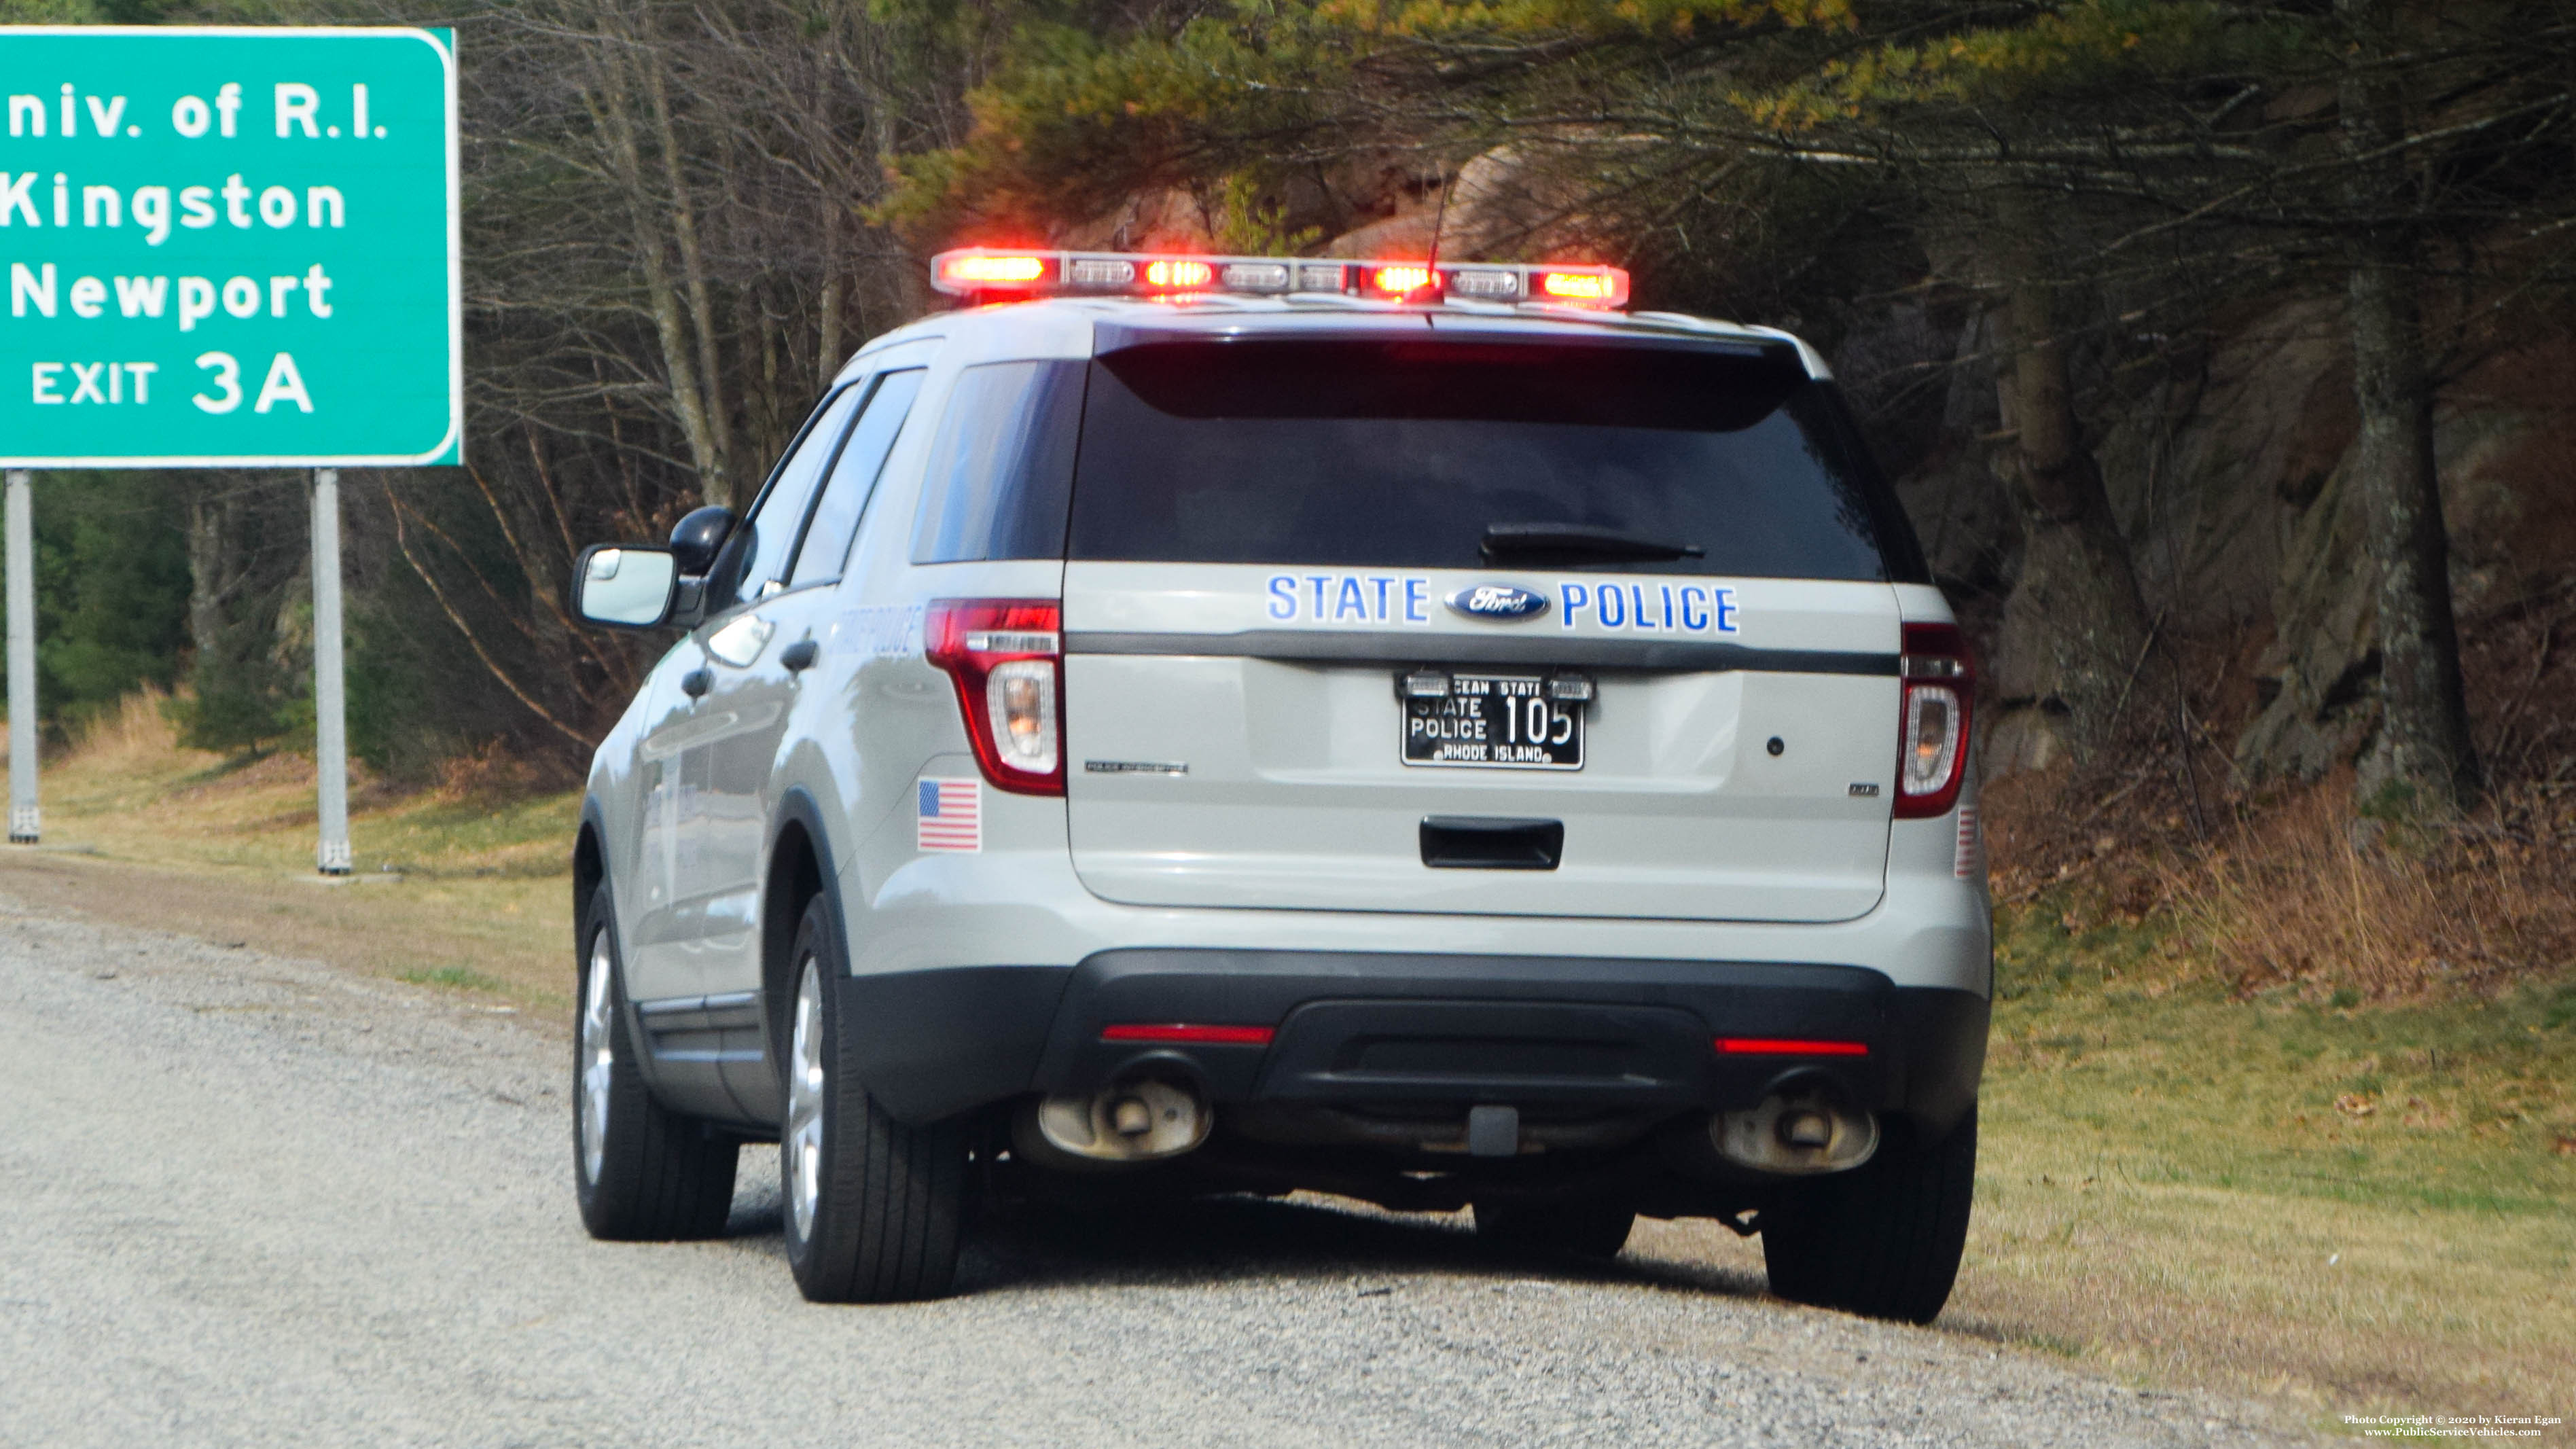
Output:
(1972, 844)
(951, 816)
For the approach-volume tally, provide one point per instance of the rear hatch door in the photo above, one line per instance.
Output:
(1490, 626)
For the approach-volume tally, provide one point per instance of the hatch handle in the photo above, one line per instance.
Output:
(1488, 842)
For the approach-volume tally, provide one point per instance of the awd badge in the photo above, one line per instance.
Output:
(1497, 601)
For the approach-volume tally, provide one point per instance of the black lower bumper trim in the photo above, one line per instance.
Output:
(937, 1043)
(1370, 1029)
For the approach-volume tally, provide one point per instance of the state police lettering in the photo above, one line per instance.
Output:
(1607, 604)
(1659, 608)
(1350, 598)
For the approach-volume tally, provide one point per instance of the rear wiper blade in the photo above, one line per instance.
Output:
(1579, 542)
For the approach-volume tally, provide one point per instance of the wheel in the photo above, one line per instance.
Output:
(874, 1208)
(1882, 1239)
(642, 1173)
(1585, 1228)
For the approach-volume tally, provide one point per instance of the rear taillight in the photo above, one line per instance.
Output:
(1006, 656)
(1932, 754)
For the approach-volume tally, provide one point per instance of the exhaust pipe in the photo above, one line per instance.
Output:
(1801, 1133)
(1144, 1120)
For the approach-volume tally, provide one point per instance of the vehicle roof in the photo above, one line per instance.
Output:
(1079, 326)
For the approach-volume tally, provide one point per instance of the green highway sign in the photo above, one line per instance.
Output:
(229, 247)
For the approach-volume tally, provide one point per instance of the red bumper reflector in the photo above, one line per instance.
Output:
(1768, 1046)
(1183, 1031)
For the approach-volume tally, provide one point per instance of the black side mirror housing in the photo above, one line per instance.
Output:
(698, 536)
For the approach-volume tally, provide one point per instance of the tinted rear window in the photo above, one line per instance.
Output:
(1402, 453)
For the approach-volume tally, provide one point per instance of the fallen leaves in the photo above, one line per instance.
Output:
(2355, 1105)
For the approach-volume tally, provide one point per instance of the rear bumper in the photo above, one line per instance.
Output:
(1372, 1030)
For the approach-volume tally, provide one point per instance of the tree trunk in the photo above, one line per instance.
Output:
(693, 267)
(828, 358)
(2423, 754)
(210, 572)
(2072, 667)
(611, 114)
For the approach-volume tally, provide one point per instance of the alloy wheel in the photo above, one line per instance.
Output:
(598, 1059)
(803, 1148)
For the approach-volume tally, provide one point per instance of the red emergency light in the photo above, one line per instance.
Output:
(975, 271)
(1402, 279)
(1178, 274)
(992, 274)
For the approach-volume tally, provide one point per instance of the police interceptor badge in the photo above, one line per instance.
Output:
(1497, 601)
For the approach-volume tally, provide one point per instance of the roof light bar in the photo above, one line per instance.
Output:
(994, 274)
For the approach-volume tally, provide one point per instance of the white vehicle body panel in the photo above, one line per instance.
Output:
(1295, 794)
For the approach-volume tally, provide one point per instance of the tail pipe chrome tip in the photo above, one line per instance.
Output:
(1135, 1121)
(1796, 1133)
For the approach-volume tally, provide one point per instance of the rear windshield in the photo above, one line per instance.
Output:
(1407, 453)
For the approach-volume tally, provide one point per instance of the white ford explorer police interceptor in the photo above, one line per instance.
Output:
(1188, 725)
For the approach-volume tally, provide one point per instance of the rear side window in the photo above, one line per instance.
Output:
(1001, 465)
(1406, 453)
(780, 515)
(854, 478)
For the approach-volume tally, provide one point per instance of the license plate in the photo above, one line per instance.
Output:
(1494, 722)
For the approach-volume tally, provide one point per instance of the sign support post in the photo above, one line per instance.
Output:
(24, 817)
(330, 700)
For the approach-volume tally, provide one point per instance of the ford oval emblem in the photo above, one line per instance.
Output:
(1497, 601)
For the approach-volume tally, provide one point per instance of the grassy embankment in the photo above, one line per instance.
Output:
(140, 831)
(2351, 1208)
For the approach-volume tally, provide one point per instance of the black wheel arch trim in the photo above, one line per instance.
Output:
(797, 808)
(604, 883)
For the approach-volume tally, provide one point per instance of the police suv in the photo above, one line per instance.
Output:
(1219, 724)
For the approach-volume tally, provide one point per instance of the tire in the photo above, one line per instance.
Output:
(643, 1174)
(872, 1209)
(1571, 1229)
(1882, 1240)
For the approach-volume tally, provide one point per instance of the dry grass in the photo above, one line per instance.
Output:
(463, 887)
(2296, 887)
(2342, 1210)
(2310, 893)
(2280, 1099)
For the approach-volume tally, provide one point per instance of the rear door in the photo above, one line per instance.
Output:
(745, 708)
(1491, 626)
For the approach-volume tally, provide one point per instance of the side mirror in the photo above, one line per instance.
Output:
(625, 586)
(697, 537)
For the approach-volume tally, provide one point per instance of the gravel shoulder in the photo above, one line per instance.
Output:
(247, 1199)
